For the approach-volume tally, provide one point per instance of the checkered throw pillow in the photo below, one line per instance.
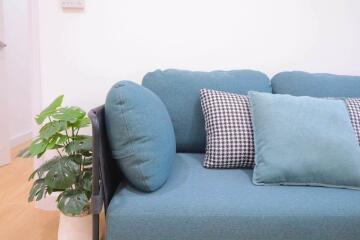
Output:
(229, 132)
(353, 106)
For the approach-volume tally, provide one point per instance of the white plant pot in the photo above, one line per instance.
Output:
(75, 228)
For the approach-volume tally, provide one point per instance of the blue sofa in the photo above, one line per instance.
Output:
(204, 204)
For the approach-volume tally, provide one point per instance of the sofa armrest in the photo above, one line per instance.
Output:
(105, 175)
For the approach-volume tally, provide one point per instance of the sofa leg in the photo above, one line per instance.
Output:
(95, 226)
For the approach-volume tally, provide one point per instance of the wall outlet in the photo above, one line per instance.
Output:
(73, 4)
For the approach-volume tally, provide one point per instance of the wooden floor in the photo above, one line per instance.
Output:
(18, 218)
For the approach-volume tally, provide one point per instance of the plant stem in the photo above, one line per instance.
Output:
(59, 152)
(67, 135)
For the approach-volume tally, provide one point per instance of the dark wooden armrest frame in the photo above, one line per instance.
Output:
(106, 177)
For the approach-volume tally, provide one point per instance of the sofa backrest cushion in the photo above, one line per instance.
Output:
(316, 84)
(180, 92)
(140, 134)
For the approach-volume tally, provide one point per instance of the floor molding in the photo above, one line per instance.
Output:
(20, 138)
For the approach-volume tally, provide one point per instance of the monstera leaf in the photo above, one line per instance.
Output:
(72, 202)
(81, 123)
(37, 148)
(69, 114)
(62, 174)
(49, 110)
(86, 180)
(44, 168)
(79, 145)
(38, 190)
(57, 141)
(52, 128)
(87, 161)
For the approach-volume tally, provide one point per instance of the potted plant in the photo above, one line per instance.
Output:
(69, 172)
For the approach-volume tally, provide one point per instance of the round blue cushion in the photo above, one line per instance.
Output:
(141, 135)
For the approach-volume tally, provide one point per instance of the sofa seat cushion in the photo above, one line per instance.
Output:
(198, 203)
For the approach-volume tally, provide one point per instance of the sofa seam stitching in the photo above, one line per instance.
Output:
(129, 137)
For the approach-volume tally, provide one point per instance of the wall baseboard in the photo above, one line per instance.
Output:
(20, 138)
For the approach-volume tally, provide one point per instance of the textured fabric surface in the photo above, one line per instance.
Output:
(141, 134)
(353, 106)
(180, 92)
(304, 141)
(316, 84)
(205, 204)
(229, 133)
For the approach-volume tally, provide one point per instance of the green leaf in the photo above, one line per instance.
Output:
(69, 114)
(38, 190)
(41, 194)
(49, 110)
(87, 181)
(45, 167)
(52, 144)
(72, 202)
(79, 145)
(87, 161)
(81, 123)
(52, 128)
(84, 122)
(76, 158)
(62, 139)
(37, 147)
(24, 153)
(62, 174)
(57, 141)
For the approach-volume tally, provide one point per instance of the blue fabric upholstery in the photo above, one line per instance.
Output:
(141, 134)
(304, 141)
(180, 92)
(205, 204)
(316, 84)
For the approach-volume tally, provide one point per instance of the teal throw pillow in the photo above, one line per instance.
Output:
(141, 135)
(304, 141)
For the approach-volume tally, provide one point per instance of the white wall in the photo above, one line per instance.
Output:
(17, 85)
(84, 52)
(4, 121)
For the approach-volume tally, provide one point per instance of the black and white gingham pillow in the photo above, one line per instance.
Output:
(229, 132)
(353, 106)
